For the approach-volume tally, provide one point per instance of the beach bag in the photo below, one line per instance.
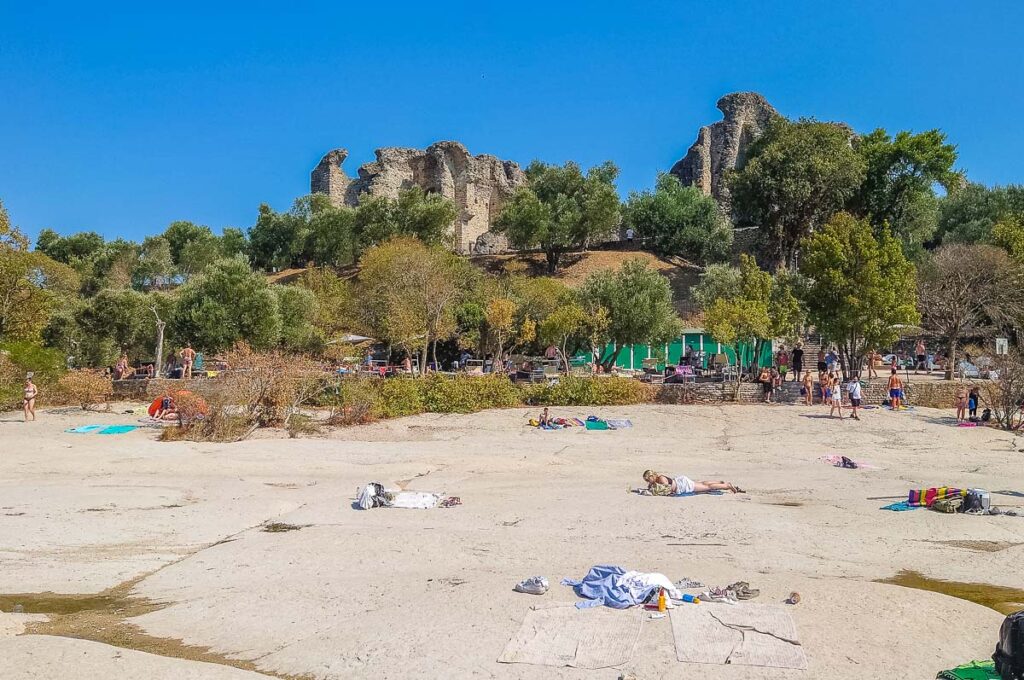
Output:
(948, 505)
(1009, 654)
(977, 501)
(986, 415)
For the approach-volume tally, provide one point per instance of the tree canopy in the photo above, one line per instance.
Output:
(797, 176)
(561, 209)
(861, 288)
(679, 220)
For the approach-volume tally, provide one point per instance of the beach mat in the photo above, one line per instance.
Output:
(597, 425)
(579, 638)
(744, 634)
(117, 429)
(619, 424)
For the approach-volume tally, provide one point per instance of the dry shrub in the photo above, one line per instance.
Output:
(1005, 394)
(270, 386)
(85, 388)
(355, 401)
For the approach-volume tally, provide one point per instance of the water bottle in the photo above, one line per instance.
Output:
(691, 598)
(661, 600)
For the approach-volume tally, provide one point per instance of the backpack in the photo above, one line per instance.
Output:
(986, 415)
(948, 505)
(1009, 654)
(977, 501)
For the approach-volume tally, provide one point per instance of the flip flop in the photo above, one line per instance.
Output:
(743, 591)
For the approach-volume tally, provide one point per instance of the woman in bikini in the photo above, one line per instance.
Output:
(807, 389)
(29, 402)
(663, 485)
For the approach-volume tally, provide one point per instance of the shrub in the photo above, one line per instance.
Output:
(353, 401)
(270, 386)
(577, 391)
(84, 388)
(466, 394)
(398, 397)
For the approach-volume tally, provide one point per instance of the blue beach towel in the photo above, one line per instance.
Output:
(602, 586)
(899, 507)
(117, 429)
(84, 429)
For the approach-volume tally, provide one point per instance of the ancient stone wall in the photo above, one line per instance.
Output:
(723, 146)
(478, 185)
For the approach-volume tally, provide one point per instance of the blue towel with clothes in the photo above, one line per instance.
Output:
(603, 586)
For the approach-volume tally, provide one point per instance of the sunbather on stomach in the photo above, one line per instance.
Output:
(663, 485)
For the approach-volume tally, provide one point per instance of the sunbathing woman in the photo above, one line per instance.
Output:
(662, 485)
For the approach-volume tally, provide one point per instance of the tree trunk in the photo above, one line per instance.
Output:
(565, 355)
(437, 367)
(423, 355)
(950, 357)
(607, 365)
(160, 326)
(552, 256)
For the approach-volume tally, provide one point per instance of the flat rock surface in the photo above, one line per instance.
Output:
(410, 593)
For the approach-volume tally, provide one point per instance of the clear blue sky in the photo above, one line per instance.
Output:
(122, 119)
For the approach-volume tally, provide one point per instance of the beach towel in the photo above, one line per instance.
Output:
(927, 497)
(975, 670)
(117, 429)
(743, 634)
(566, 636)
(416, 500)
(619, 424)
(966, 424)
(902, 506)
(617, 588)
(597, 425)
(85, 429)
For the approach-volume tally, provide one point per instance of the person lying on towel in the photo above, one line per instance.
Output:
(663, 485)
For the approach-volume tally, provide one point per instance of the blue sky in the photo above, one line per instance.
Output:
(120, 118)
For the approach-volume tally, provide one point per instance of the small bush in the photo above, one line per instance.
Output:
(466, 394)
(353, 401)
(576, 391)
(399, 397)
(84, 388)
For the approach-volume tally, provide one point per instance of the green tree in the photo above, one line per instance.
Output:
(114, 321)
(968, 214)
(427, 216)
(32, 285)
(70, 250)
(278, 240)
(1008, 234)
(298, 309)
(678, 220)
(225, 304)
(233, 242)
(155, 265)
(796, 177)
(861, 288)
(901, 172)
(181, 233)
(332, 236)
(409, 293)
(562, 209)
(335, 301)
(563, 326)
(638, 303)
(749, 305)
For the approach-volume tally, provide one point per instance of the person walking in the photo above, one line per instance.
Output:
(798, 361)
(782, 361)
(853, 389)
(873, 356)
(188, 357)
(28, 403)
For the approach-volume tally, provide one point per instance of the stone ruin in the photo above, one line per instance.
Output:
(478, 185)
(723, 146)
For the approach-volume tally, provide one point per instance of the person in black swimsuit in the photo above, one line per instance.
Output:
(797, 358)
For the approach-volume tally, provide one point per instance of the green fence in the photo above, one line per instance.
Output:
(632, 356)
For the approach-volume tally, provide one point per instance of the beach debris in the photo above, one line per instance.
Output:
(794, 598)
(280, 527)
(657, 616)
(535, 585)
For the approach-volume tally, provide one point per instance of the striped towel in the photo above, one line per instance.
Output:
(927, 497)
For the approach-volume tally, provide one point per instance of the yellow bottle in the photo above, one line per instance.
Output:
(661, 600)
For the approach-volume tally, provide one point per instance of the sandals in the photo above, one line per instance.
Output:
(743, 591)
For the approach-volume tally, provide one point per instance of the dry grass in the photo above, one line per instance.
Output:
(86, 388)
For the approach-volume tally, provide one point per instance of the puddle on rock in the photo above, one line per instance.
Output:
(1001, 598)
(103, 617)
(786, 504)
(978, 546)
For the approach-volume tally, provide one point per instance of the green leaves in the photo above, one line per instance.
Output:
(861, 289)
(678, 220)
(561, 209)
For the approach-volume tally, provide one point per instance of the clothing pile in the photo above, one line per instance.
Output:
(615, 587)
(730, 594)
(374, 495)
(557, 423)
(950, 500)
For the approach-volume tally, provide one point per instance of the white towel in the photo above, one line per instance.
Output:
(416, 500)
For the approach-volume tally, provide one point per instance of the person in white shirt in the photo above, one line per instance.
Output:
(629, 237)
(853, 389)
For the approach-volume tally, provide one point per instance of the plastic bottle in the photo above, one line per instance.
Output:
(661, 600)
(691, 598)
